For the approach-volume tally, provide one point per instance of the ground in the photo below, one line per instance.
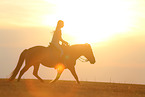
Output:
(34, 88)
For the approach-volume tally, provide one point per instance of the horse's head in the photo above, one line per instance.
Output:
(88, 53)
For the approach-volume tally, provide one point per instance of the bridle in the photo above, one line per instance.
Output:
(83, 59)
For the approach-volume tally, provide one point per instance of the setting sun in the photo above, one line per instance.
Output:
(94, 21)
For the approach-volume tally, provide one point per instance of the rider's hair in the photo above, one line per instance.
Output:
(60, 23)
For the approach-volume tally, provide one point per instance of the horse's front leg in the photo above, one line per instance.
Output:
(57, 77)
(72, 69)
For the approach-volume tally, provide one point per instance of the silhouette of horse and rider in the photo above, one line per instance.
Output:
(60, 56)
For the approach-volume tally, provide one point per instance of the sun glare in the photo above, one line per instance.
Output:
(59, 67)
(94, 21)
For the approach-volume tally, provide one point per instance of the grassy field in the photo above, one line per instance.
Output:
(34, 88)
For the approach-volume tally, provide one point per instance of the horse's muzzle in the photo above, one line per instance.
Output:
(92, 62)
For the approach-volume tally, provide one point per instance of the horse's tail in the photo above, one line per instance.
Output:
(19, 64)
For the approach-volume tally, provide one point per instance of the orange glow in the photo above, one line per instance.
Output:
(90, 21)
(97, 22)
(59, 67)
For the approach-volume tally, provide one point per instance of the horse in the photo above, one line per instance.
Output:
(50, 57)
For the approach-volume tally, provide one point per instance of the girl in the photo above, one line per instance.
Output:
(57, 37)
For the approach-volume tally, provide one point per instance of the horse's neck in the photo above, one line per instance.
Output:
(77, 50)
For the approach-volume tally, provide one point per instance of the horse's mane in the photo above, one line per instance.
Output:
(79, 45)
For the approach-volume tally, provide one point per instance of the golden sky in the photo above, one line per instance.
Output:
(97, 20)
(115, 29)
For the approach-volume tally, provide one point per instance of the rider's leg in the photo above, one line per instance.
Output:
(59, 48)
(61, 53)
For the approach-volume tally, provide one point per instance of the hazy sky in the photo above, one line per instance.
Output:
(114, 28)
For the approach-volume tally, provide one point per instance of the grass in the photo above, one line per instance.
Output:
(34, 88)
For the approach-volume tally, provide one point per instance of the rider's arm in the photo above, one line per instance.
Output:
(63, 41)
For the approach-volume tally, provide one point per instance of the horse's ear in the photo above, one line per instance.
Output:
(87, 43)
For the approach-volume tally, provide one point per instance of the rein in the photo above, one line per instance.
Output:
(83, 59)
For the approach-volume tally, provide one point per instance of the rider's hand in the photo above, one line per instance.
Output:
(66, 43)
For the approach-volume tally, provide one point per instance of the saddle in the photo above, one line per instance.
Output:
(55, 53)
(63, 46)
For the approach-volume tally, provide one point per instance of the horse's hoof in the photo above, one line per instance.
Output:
(78, 82)
(10, 80)
(42, 81)
(18, 80)
(51, 82)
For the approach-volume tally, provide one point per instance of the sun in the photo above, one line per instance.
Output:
(94, 21)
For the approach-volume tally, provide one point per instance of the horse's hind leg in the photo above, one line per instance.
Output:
(23, 71)
(35, 72)
(57, 77)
